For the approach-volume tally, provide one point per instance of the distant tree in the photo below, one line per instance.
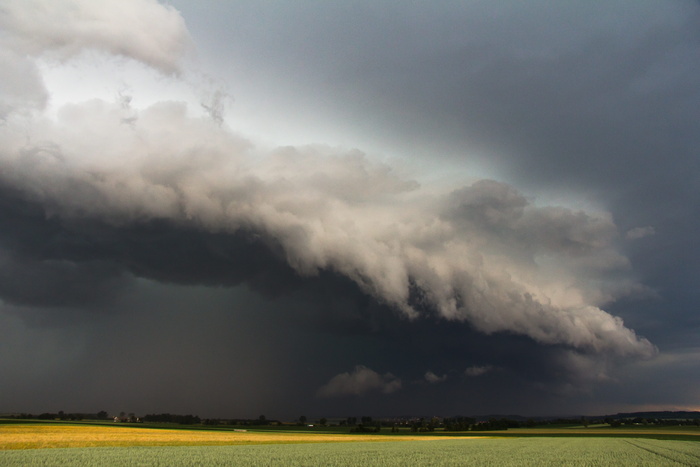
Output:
(169, 418)
(302, 420)
(323, 421)
(102, 415)
(496, 424)
(459, 423)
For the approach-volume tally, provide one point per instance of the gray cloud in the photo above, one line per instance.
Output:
(347, 215)
(104, 195)
(432, 378)
(23, 84)
(361, 381)
(478, 370)
(478, 261)
(640, 232)
(139, 29)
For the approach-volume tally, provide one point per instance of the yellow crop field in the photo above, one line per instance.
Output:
(39, 436)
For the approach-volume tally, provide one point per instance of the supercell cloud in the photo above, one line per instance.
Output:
(481, 253)
(99, 194)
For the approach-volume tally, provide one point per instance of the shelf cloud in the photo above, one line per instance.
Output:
(99, 195)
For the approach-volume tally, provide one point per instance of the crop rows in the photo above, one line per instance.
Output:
(476, 452)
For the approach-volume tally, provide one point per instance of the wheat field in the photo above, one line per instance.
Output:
(40, 436)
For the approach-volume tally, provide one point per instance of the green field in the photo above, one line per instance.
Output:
(468, 451)
(89, 443)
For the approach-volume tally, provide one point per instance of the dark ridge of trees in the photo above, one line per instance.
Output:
(260, 421)
(362, 428)
(170, 418)
(60, 415)
(366, 424)
(659, 415)
(459, 423)
(496, 424)
(651, 421)
(425, 424)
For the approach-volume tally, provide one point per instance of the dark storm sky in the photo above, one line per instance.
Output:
(349, 208)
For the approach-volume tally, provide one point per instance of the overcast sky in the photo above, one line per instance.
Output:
(349, 208)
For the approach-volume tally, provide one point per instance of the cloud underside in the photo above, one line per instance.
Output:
(113, 184)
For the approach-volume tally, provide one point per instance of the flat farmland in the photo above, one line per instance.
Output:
(435, 452)
(685, 433)
(59, 435)
(61, 444)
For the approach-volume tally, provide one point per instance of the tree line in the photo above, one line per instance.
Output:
(61, 415)
(367, 424)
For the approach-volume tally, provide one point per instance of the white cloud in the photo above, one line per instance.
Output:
(361, 381)
(478, 370)
(640, 232)
(432, 378)
(483, 253)
(21, 84)
(144, 30)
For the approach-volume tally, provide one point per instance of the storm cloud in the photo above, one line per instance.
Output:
(102, 200)
(360, 381)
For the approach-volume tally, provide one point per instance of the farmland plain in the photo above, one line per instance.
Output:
(64, 435)
(466, 451)
(59, 444)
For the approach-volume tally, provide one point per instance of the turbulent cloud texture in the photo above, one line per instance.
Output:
(143, 30)
(480, 189)
(482, 253)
